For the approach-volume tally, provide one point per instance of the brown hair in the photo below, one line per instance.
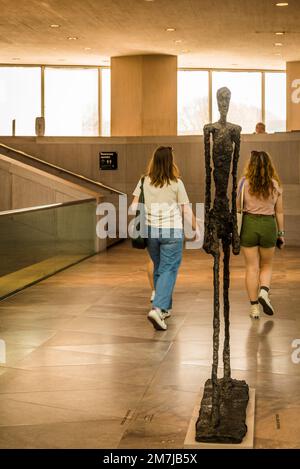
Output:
(261, 173)
(162, 169)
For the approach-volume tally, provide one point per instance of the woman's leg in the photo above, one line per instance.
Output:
(153, 248)
(150, 272)
(265, 275)
(251, 256)
(265, 268)
(170, 259)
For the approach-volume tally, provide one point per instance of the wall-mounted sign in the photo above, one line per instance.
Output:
(108, 160)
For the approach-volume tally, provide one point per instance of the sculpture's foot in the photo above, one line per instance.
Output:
(234, 396)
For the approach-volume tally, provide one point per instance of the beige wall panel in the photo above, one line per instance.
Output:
(27, 193)
(126, 95)
(144, 95)
(293, 95)
(291, 199)
(159, 95)
(22, 187)
(61, 198)
(292, 227)
(5, 188)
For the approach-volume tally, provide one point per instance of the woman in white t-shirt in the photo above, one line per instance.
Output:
(165, 199)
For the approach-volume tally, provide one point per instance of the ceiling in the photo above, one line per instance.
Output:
(210, 33)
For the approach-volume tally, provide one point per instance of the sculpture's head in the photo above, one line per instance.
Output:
(223, 98)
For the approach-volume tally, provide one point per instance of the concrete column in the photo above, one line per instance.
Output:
(144, 95)
(293, 95)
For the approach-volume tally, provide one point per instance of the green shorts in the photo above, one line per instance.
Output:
(258, 230)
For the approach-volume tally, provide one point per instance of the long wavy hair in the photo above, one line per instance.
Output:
(162, 168)
(260, 173)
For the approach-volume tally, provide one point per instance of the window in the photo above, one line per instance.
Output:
(20, 99)
(71, 101)
(105, 102)
(275, 102)
(193, 108)
(246, 97)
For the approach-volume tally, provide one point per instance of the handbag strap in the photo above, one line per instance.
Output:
(142, 195)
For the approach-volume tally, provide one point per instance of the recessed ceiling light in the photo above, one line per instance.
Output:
(61, 60)
(278, 44)
(72, 38)
(282, 4)
(54, 26)
(185, 51)
(87, 48)
(178, 41)
(16, 58)
(149, 0)
(170, 30)
(280, 33)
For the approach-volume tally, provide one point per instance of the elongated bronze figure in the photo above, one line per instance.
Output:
(223, 408)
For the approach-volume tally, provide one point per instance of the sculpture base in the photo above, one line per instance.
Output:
(247, 443)
(232, 426)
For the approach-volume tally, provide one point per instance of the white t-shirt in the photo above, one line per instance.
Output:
(162, 203)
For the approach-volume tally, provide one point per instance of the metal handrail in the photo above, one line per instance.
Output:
(39, 208)
(59, 168)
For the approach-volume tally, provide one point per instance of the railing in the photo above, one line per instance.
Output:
(40, 241)
(60, 170)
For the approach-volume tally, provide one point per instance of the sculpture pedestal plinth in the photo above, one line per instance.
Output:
(213, 439)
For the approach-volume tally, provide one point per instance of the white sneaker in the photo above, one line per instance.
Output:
(157, 320)
(254, 312)
(152, 296)
(264, 300)
(166, 313)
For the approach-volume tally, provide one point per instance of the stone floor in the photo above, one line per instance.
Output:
(85, 369)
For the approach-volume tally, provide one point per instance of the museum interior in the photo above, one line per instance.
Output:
(88, 90)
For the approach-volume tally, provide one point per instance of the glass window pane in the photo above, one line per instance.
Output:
(193, 108)
(20, 99)
(275, 102)
(246, 97)
(105, 100)
(71, 101)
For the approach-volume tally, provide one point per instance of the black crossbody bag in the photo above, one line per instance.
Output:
(139, 240)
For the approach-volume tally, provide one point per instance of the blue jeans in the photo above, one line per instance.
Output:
(165, 249)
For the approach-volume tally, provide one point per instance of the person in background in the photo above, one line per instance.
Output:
(260, 128)
(165, 200)
(262, 207)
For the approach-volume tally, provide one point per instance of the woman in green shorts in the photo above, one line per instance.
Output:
(262, 226)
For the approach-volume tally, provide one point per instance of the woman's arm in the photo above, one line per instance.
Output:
(189, 215)
(279, 215)
(238, 203)
(134, 205)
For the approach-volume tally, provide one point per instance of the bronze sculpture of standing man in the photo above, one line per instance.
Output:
(216, 421)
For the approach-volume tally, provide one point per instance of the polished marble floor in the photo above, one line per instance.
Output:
(85, 369)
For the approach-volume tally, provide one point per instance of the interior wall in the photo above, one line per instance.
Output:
(293, 95)
(23, 187)
(82, 156)
(144, 95)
